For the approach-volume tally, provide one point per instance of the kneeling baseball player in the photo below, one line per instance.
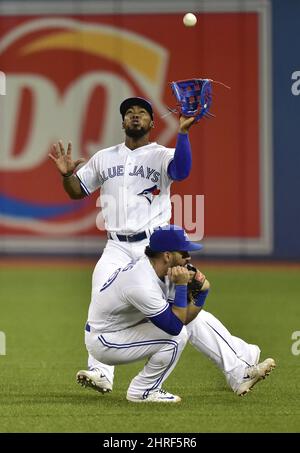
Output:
(149, 309)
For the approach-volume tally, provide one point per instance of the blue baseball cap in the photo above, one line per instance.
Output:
(172, 238)
(127, 103)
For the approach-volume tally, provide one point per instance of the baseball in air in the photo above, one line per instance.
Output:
(189, 20)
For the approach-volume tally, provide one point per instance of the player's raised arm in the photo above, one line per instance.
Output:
(180, 166)
(66, 166)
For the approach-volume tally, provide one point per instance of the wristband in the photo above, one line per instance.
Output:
(200, 299)
(180, 296)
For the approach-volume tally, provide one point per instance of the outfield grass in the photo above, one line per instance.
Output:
(43, 311)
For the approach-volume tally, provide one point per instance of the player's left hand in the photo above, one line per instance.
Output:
(185, 122)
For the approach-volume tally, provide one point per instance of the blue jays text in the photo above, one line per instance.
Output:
(143, 172)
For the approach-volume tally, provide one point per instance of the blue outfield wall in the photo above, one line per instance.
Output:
(286, 127)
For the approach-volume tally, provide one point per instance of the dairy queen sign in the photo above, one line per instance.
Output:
(72, 91)
(66, 72)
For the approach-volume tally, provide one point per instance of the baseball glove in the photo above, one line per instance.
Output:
(193, 97)
(195, 286)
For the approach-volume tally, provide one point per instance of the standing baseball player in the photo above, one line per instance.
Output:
(135, 179)
(118, 330)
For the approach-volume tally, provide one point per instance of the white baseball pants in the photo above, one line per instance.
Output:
(135, 343)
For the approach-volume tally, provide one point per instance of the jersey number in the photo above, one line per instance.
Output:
(115, 274)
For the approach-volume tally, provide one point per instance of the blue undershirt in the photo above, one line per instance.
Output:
(168, 322)
(180, 166)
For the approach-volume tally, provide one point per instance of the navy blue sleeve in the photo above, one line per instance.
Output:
(168, 322)
(180, 166)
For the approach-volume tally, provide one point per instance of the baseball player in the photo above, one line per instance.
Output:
(135, 179)
(118, 330)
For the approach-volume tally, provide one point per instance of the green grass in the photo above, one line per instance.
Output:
(43, 311)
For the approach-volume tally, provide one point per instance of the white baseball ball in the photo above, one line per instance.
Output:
(189, 20)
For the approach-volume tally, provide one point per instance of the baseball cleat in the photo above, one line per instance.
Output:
(95, 380)
(158, 396)
(254, 374)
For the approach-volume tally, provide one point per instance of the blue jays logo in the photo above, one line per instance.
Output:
(150, 193)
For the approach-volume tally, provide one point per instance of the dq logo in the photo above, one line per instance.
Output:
(65, 80)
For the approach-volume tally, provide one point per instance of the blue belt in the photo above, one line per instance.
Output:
(87, 327)
(130, 237)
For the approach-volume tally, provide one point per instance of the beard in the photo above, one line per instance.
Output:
(136, 133)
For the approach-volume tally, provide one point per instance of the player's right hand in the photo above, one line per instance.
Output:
(179, 275)
(63, 160)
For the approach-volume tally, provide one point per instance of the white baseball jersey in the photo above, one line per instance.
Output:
(135, 186)
(128, 297)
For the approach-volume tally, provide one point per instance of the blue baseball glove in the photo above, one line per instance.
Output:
(193, 97)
